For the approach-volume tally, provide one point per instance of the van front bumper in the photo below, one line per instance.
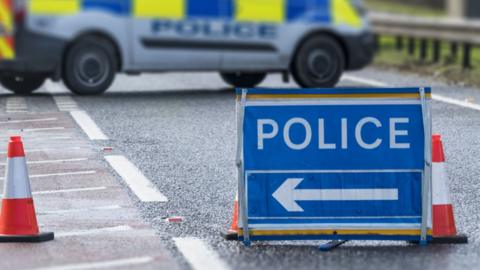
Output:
(360, 50)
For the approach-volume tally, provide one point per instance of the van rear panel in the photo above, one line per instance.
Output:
(7, 44)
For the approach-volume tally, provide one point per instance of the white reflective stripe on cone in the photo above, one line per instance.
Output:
(17, 184)
(441, 194)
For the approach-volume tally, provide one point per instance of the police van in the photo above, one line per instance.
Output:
(85, 43)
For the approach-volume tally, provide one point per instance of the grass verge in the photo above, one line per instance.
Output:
(402, 8)
(449, 69)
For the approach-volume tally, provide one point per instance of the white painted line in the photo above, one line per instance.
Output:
(29, 121)
(66, 103)
(16, 105)
(364, 81)
(58, 174)
(43, 135)
(52, 161)
(37, 129)
(88, 125)
(457, 102)
(56, 161)
(73, 190)
(101, 265)
(41, 138)
(138, 183)
(444, 99)
(94, 231)
(199, 255)
(72, 211)
(47, 149)
(62, 174)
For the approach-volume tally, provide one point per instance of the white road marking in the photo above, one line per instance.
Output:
(94, 231)
(29, 121)
(44, 192)
(364, 81)
(41, 138)
(62, 174)
(457, 102)
(16, 105)
(88, 125)
(100, 265)
(64, 103)
(52, 161)
(199, 255)
(47, 149)
(58, 174)
(138, 183)
(444, 99)
(72, 211)
(37, 129)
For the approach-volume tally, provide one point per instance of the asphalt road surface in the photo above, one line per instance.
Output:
(178, 132)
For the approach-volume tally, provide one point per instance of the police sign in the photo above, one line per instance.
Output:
(334, 164)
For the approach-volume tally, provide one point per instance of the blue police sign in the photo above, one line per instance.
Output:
(334, 164)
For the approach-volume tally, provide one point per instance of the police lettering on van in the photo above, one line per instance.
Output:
(85, 43)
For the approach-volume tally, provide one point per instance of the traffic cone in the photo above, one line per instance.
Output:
(232, 233)
(18, 222)
(444, 229)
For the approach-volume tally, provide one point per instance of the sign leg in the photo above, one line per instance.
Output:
(331, 245)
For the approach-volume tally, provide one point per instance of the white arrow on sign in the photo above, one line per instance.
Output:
(287, 195)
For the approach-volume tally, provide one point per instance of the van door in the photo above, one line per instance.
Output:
(257, 34)
(170, 34)
(275, 27)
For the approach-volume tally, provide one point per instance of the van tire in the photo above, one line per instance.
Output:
(22, 84)
(243, 80)
(319, 62)
(90, 66)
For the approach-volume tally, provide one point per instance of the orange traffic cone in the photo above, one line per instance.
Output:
(18, 222)
(232, 233)
(444, 229)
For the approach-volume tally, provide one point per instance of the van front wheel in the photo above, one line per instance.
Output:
(319, 63)
(243, 80)
(22, 84)
(90, 66)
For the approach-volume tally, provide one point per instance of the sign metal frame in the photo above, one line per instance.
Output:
(426, 183)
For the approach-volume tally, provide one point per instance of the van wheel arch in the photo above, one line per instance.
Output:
(94, 34)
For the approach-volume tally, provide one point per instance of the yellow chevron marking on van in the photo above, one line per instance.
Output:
(344, 13)
(6, 52)
(260, 10)
(171, 9)
(63, 7)
(6, 17)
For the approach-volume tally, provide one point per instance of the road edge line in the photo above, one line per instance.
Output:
(437, 97)
(141, 186)
(88, 126)
(198, 254)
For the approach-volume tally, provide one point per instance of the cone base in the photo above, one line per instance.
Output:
(230, 235)
(41, 237)
(456, 239)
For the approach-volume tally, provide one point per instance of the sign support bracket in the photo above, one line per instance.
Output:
(427, 175)
(242, 194)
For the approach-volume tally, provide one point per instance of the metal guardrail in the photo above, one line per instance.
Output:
(457, 32)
